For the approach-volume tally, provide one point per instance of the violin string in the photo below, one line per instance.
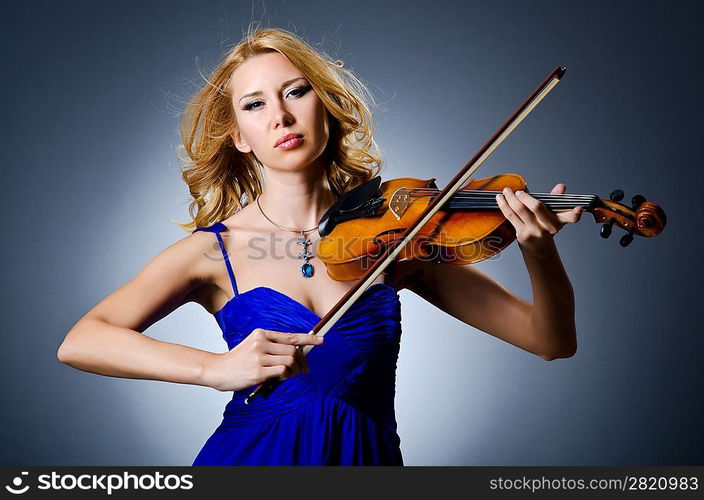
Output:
(493, 202)
(487, 199)
(484, 193)
(433, 190)
(492, 194)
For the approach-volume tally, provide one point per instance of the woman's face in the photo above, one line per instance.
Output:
(284, 103)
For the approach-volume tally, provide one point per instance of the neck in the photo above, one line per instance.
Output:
(296, 200)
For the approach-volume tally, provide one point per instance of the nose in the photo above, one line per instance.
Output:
(281, 116)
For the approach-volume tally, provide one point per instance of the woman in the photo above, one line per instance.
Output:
(277, 134)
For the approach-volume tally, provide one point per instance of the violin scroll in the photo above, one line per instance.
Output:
(643, 218)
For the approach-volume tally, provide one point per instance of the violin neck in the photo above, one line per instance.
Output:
(486, 200)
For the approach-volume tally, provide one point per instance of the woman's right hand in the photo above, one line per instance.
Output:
(262, 355)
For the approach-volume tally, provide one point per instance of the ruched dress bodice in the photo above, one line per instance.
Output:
(341, 412)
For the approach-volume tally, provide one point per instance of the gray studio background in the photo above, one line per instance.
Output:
(90, 96)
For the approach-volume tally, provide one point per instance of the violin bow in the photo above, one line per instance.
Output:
(395, 247)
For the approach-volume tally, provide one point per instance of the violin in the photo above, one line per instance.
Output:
(372, 225)
(469, 228)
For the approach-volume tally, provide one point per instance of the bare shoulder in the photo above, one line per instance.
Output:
(214, 283)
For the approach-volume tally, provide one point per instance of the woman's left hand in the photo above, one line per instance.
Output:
(535, 224)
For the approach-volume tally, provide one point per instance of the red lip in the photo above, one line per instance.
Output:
(286, 138)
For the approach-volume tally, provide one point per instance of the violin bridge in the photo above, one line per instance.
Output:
(400, 201)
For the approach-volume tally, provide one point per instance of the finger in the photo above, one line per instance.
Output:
(274, 360)
(544, 217)
(283, 352)
(566, 216)
(518, 207)
(559, 188)
(280, 349)
(293, 338)
(279, 371)
(571, 216)
(508, 212)
(293, 368)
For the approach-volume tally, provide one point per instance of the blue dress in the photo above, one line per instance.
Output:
(341, 412)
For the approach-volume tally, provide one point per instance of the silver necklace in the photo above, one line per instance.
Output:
(306, 268)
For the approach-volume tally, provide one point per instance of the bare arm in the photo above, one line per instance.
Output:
(100, 347)
(546, 327)
(108, 340)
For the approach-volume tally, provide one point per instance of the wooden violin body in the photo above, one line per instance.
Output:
(470, 228)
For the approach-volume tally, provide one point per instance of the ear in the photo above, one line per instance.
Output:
(239, 141)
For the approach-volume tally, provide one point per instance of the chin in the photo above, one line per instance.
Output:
(296, 164)
(293, 166)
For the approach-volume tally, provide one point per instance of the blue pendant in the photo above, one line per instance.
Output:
(307, 270)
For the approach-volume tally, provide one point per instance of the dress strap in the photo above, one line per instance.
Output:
(216, 228)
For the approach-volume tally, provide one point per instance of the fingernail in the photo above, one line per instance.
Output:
(519, 192)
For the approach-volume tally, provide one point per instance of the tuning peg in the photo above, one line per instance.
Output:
(605, 230)
(637, 201)
(627, 238)
(616, 195)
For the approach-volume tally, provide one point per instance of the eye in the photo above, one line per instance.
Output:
(250, 105)
(302, 90)
(299, 90)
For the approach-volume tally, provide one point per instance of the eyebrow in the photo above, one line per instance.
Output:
(282, 86)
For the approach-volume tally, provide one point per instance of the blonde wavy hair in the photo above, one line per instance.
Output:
(223, 180)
